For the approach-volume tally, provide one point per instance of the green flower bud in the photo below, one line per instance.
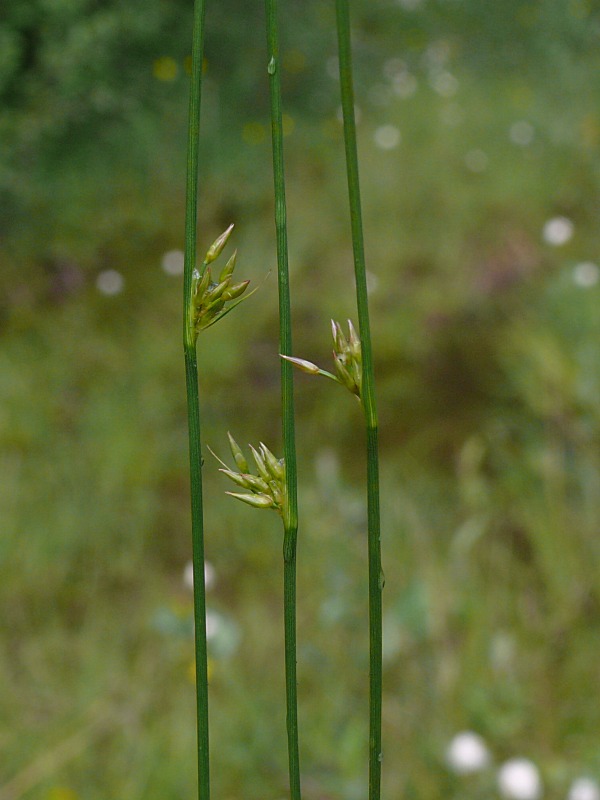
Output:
(255, 483)
(214, 251)
(354, 342)
(260, 465)
(236, 477)
(276, 492)
(274, 466)
(217, 289)
(255, 500)
(229, 267)
(237, 454)
(235, 291)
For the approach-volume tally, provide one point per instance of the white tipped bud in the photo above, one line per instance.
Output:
(334, 330)
(354, 341)
(274, 466)
(301, 363)
(260, 464)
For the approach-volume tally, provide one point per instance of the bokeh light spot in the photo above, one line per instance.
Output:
(165, 69)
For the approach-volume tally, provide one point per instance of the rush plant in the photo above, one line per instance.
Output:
(205, 301)
(353, 361)
(274, 484)
(290, 517)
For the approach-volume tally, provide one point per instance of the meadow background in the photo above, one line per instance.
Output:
(479, 145)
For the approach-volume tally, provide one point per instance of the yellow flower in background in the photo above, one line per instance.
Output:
(288, 124)
(294, 61)
(165, 69)
(254, 132)
(62, 793)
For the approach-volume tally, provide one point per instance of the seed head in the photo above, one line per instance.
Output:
(347, 359)
(267, 488)
(209, 297)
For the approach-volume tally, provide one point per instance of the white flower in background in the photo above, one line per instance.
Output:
(372, 282)
(393, 67)
(386, 137)
(209, 575)
(110, 282)
(404, 84)
(519, 779)
(586, 274)
(332, 66)
(557, 231)
(584, 789)
(444, 83)
(476, 161)
(172, 262)
(466, 753)
(521, 133)
(213, 623)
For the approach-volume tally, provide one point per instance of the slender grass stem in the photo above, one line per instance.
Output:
(193, 405)
(287, 400)
(368, 402)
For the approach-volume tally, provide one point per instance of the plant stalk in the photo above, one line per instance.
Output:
(290, 518)
(376, 579)
(193, 405)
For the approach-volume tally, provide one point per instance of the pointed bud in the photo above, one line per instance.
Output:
(255, 500)
(301, 363)
(342, 343)
(354, 341)
(237, 454)
(334, 331)
(236, 477)
(276, 493)
(256, 484)
(229, 267)
(260, 464)
(217, 246)
(203, 283)
(235, 291)
(343, 372)
(217, 289)
(274, 466)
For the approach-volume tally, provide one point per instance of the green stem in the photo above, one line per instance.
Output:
(368, 402)
(287, 402)
(193, 406)
(191, 373)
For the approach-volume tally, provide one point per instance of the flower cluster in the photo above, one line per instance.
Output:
(267, 488)
(347, 359)
(208, 296)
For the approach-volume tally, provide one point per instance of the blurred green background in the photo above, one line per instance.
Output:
(479, 140)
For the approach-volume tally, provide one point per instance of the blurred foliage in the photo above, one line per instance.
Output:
(479, 123)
